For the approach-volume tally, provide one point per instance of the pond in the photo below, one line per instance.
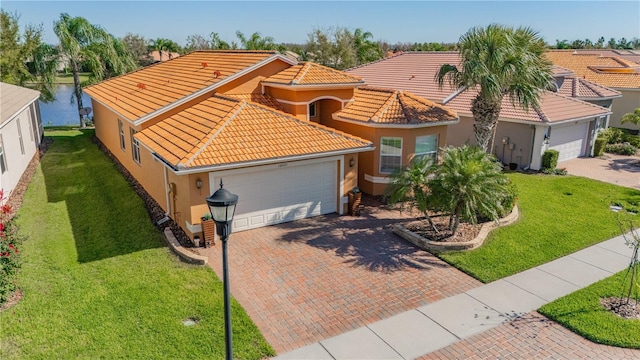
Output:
(62, 111)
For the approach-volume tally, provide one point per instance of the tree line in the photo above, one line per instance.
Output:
(601, 43)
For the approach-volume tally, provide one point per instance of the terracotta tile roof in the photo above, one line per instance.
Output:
(633, 56)
(166, 55)
(308, 73)
(553, 108)
(264, 99)
(560, 71)
(13, 98)
(585, 89)
(384, 106)
(222, 130)
(604, 70)
(410, 71)
(149, 89)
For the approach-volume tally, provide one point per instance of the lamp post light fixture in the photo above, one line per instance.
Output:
(222, 205)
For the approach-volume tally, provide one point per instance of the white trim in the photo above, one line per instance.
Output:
(395, 126)
(210, 88)
(240, 171)
(249, 164)
(195, 228)
(377, 179)
(166, 189)
(381, 154)
(18, 112)
(553, 123)
(453, 94)
(314, 100)
(313, 86)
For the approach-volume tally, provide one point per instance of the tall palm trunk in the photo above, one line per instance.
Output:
(77, 89)
(485, 114)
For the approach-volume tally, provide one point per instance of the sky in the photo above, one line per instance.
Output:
(292, 21)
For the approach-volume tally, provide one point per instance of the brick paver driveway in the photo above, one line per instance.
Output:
(311, 279)
(615, 169)
(532, 336)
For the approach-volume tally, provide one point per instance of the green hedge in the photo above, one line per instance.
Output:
(598, 147)
(621, 149)
(550, 159)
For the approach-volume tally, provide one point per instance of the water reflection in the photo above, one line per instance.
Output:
(62, 111)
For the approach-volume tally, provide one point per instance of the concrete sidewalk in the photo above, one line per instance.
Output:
(437, 325)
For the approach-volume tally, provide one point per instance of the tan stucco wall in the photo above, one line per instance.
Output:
(306, 96)
(251, 82)
(521, 136)
(461, 133)
(629, 101)
(150, 173)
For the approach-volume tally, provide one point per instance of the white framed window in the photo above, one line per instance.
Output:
(312, 109)
(20, 136)
(3, 161)
(135, 147)
(121, 130)
(390, 154)
(426, 146)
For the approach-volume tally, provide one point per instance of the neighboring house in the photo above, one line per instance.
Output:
(155, 57)
(20, 132)
(618, 72)
(256, 120)
(562, 123)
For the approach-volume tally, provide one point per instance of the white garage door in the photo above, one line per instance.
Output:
(279, 193)
(570, 141)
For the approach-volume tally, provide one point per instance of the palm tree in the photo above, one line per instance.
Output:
(162, 44)
(633, 117)
(469, 182)
(409, 187)
(366, 50)
(92, 46)
(256, 42)
(498, 61)
(217, 43)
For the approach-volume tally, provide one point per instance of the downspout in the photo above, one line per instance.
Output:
(166, 191)
(533, 144)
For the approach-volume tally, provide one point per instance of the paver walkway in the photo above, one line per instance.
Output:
(615, 169)
(308, 280)
(492, 306)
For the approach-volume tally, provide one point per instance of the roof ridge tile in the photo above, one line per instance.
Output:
(301, 74)
(230, 116)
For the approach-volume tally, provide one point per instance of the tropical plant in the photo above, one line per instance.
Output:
(409, 187)
(88, 45)
(633, 117)
(366, 50)
(469, 183)
(24, 59)
(137, 45)
(498, 61)
(218, 44)
(256, 41)
(162, 44)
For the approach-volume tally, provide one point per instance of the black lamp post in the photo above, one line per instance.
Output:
(222, 205)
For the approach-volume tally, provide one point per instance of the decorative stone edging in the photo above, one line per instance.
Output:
(183, 253)
(429, 245)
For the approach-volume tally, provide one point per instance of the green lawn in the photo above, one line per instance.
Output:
(582, 313)
(68, 78)
(98, 280)
(558, 216)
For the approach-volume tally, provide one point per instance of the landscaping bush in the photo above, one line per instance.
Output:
(634, 140)
(550, 159)
(9, 253)
(598, 147)
(613, 135)
(509, 201)
(621, 149)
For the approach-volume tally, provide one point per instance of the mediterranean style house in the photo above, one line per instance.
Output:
(567, 119)
(616, 69)
(20, 133)
(290, 139)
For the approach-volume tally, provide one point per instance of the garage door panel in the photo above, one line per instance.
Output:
(569, 141)
(273, 195)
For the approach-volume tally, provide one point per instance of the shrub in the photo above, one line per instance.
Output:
(613, 135)
(634, 140)
(598, 147)
(550, 159)
(509, 201)
(562, 171)
(9, 253)
(621, 149)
